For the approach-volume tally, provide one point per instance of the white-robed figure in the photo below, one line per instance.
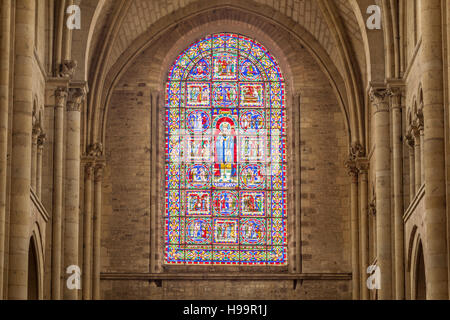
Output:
(225, 144)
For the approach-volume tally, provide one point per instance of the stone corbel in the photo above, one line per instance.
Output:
(356, 151)
(67, 68)
(95, 150)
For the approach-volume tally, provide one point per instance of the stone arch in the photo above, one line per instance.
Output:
(414, 108)
(35, 265)
(33, 274)
(154, 57)
(420, 97)
(418, 276)
(298, 36)
(415, 266)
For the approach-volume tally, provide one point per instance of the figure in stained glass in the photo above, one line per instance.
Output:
(225, 153)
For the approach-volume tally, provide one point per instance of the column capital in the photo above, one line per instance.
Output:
(89, 168)
(75, 99)
(409, 138)
(350, 164)
(379, 98)
(362, 164)
(396, 93)
(41, 140)
(98, 173)
(155, 91)
(396, 87)
(36, 131)
(61, 94)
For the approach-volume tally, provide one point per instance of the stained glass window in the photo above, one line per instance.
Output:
(225, 155)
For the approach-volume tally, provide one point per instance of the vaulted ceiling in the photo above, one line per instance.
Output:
(118, 29)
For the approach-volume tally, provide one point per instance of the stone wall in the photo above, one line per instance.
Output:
(325, 227)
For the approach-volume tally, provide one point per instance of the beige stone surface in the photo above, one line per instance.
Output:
(84, 186)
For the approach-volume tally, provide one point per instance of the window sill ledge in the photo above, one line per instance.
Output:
(225, 276)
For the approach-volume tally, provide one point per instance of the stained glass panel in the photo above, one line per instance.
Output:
(225, 155)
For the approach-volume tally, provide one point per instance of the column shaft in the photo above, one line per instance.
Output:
(67, 34)
(97, 231)
(297, 183)
(398, 196)
(364, 234)
(87, 233)
(354, 232)
(59, 32)
(383, 191)
(412, 171)
(58, 145)
(154, 184)
(5, 26)
(21, 151)
(435, 244)
(417, 165)
(34, 139)
(72, 189)
(422, 154)
(40, 149)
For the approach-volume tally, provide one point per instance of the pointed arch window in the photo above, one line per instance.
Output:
(225, 155)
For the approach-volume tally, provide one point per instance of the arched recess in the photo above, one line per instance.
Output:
(255, 18)
(35, 266)
(33, 274)
(416, 274)
(420, 290)
(264, 79)
(156, 58)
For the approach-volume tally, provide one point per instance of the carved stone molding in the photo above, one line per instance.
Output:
(41, 140)
(95, 150)
(396, 93)
(380, 98)
(409, 139)
(419, 119)
(98, 173)
(89, 169)
(36, 131)
(372, 210)
(350, 164)
(356, 151)
(363, 165)
(75, 99)
(67, 68)
(61, 96)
